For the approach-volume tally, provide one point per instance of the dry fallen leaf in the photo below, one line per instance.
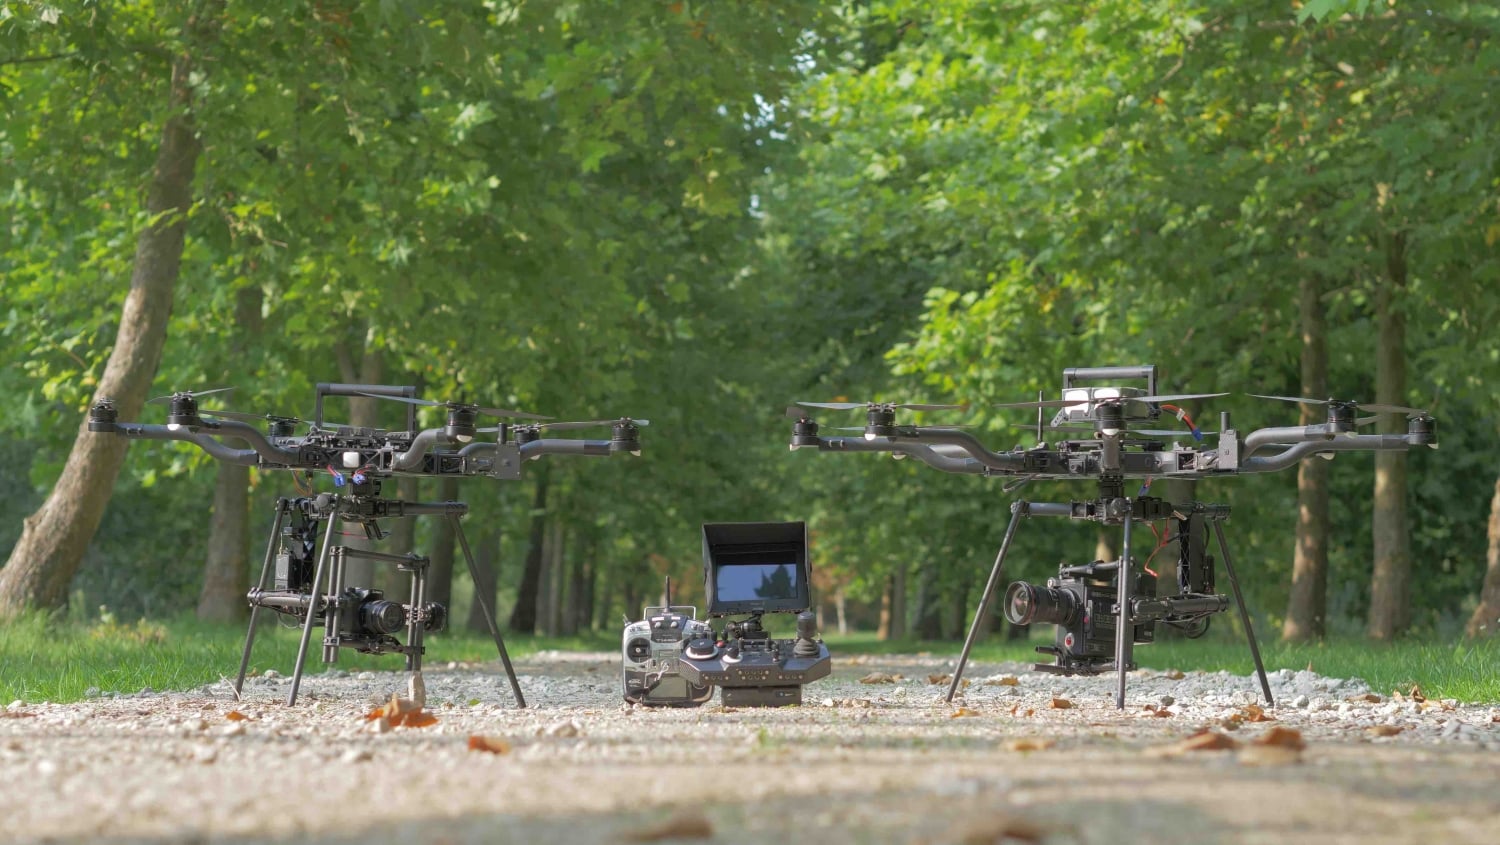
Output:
(997, 829)
(688, 825)
(399, 712)
(880, 678)
(1416, 693)
(492, 744)
(236, 716)
(939, 679)
(1002, 681)
(1061, 704)
(1254, 713)
(1029, 744)
(1174, 674)
(1201, 741)
(1367, 698)
(1384, 730)
(1281, 738)
(963, 711)
(1158, 712)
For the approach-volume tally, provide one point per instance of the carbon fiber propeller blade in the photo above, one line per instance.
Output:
(195, 394)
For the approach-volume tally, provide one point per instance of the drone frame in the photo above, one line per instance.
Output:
(1110, 457)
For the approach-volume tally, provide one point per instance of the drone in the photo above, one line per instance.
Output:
(1109, 434)
(304, 574)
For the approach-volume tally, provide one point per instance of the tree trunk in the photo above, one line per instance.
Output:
(487, 561)
(929, 613)
(444, 542)
(225, 574)
(840, 610)
(54, 539)
(225, 571)
(574, 611)
(523, 615)
(1486, 619)
(1391, 586)
(1307, 608)
(553, 577)
(899, 627)
(887, 617)
(1104, 543)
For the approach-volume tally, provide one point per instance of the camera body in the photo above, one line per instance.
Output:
(1081, 602)
(651, 650)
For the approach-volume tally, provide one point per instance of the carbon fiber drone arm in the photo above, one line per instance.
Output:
(553, 446)
(215, 449)
(925, 454)
(1356, 443)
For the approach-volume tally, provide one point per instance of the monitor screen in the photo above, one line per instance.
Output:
(755, 567)
(773, 578)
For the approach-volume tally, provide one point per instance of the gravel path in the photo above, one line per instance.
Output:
(1032, 756)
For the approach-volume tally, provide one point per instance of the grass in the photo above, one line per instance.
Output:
(45, 660)
(1469, 672)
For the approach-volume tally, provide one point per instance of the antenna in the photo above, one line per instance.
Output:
(667, 599)
(1039, 417)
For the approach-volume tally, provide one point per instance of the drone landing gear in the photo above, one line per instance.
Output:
(1130, 610)
(358, 619)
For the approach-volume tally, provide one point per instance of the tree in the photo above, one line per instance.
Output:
(52, 544)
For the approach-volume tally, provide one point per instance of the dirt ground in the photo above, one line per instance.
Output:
(1023, 757)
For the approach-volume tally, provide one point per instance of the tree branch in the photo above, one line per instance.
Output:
(50, 57)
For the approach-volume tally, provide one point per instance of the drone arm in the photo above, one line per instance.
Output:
(269, 452)
(968, 443)
(563, 446)
(424, 441)
(1261, 438)
(215, 449)
(923, 453)
(1354, 443)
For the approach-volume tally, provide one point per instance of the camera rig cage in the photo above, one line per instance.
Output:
(309, 571)
(1103, 440)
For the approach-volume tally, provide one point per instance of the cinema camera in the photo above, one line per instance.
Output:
(755, 568)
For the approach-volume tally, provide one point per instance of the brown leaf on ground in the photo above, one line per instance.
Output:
(492, 744)
(1384, 730)
(1159, 712)
(236, 716)
(1002, 681)
(1029, 744)
(1254, 713)
(399, 712)
(880, 678)
(1416, 693)
(686, 825)
(419, 719)
(997, 829)
(1367, 698)
(1061, 704)
(1232, 722)
(939, 679)
(1174, 674)
(16, 714)
(963, 711)
(1281, 738)
(1201, 741)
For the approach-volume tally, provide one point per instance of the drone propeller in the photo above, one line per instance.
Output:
(904, 428)
(162, 400)
(1100, 400)
(573, 426)
(243, 417)
(850, 406)
(489, 412)
(1379, 409)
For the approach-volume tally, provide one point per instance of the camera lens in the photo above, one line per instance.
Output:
(382, 617)
(1027, 603)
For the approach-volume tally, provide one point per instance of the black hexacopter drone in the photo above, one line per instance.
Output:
(309, 578)
(1094, 605)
